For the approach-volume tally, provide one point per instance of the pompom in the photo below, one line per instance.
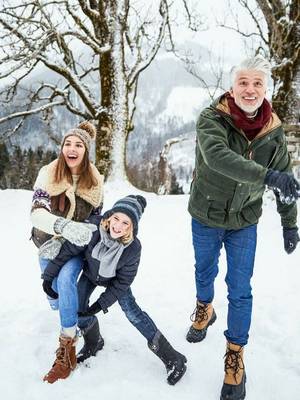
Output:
(89, 128)
(142, 201)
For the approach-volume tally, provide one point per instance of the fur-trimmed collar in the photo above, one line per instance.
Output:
(92, 196)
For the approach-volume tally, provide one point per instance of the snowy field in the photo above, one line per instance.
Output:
(164, 287)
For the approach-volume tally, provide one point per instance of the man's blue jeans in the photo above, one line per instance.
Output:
(240, 247)
(66, 287)
(138, 318)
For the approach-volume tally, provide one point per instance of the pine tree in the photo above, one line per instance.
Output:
(31, 169)
(4, 165)
(14, 176)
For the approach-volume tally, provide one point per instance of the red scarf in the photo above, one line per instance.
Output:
(251, 126)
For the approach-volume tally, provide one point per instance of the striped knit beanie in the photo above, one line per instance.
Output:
(133, 206)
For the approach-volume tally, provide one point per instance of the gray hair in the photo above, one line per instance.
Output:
(257, 63)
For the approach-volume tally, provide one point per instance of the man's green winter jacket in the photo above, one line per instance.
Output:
(228, 182)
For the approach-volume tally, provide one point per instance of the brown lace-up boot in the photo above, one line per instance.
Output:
(235, 375)
(65, 360)
(203, 316)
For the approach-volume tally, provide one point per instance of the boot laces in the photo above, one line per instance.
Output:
(63, 355)
(233, 362)
(200, 313)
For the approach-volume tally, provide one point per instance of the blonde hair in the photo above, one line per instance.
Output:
(127, 238)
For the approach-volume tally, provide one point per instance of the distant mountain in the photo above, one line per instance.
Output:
(168, 103)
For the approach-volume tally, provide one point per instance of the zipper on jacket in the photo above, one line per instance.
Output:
(273, 157)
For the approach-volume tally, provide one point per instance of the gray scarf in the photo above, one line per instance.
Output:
(108, 252)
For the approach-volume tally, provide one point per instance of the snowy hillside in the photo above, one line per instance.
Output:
(164, 287)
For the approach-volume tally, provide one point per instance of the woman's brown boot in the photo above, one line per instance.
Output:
(65, 360)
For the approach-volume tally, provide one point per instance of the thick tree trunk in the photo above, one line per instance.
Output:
(119, 103)
(105, 126)
(286, 75)
(112, 125)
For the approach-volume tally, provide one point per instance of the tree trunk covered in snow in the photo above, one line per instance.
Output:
(98, 48)
(283, 22)
(112, 125)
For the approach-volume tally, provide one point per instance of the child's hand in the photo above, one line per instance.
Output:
(47, 288)
(92, 310)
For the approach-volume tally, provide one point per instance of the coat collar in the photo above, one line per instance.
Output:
(221, 104)
(93, 196)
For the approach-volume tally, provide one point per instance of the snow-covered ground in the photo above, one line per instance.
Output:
(164, 287)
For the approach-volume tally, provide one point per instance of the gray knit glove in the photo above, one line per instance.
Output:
(78, 233)
(51, 248)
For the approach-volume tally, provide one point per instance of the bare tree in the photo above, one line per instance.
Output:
(97, 48)
(215, 84)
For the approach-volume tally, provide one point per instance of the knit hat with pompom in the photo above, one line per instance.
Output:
(133, 206)
(86, 131)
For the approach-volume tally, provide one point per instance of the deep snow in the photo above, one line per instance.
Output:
(164, 287)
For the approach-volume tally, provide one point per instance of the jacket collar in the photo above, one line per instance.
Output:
(221, 106)
(93, 196)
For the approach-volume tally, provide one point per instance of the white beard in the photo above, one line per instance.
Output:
(249, 108)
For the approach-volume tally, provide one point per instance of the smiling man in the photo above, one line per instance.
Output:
(240, 148)
(248, 91)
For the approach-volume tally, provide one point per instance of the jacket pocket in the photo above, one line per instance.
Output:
(250, 215)
(203, 205)
(217, 211)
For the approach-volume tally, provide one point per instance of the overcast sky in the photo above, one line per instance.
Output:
(224, 42)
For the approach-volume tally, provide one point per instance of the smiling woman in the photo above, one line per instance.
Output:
(67, 191)
(73, 162)
(73, 151)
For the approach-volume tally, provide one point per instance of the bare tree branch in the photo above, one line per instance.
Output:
(143, 63)
(95, 51)
(32, 111)
(254, 14)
